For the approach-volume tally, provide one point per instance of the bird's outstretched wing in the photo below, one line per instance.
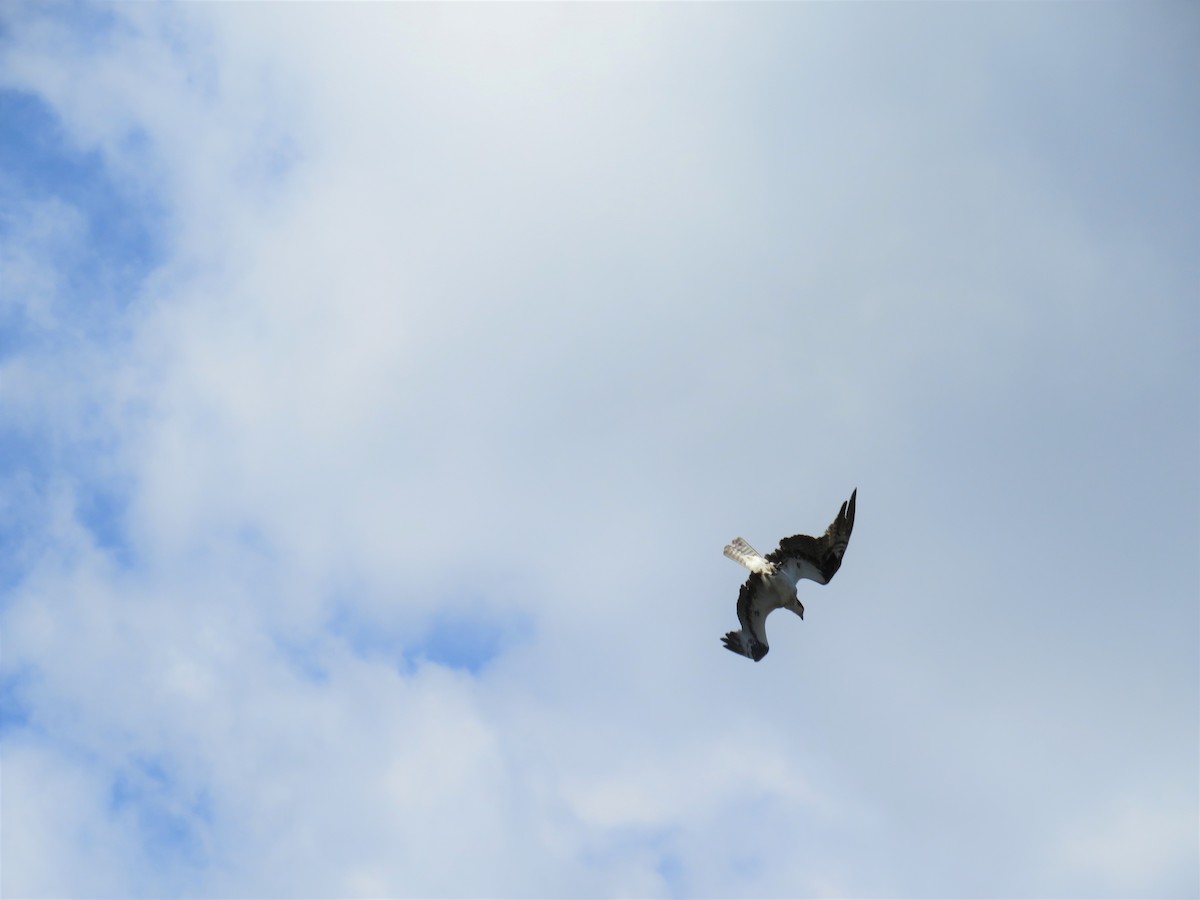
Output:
(818, 559)
(751, 639)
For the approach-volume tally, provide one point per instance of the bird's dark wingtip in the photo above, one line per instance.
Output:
(733, 644)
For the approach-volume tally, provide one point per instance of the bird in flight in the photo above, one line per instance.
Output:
(773, 578)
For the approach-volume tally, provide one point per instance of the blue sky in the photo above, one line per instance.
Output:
(379, 385)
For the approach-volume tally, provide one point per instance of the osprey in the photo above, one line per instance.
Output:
(773, 578)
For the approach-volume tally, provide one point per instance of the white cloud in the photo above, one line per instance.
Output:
(1136, 848)
(523, 309)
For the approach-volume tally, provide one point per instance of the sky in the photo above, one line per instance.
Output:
(379, 385)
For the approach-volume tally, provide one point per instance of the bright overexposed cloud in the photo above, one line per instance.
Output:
(379, 383)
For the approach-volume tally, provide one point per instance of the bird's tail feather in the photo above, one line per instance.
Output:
(742, 553)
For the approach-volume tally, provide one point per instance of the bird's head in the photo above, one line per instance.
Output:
(797, 607)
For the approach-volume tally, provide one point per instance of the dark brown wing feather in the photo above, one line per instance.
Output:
(752, 624)
(825, 552)
(745, 598)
